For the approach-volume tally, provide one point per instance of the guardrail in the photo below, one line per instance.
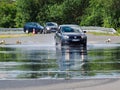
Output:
(10, 29)
(84, 28)
(98, 29)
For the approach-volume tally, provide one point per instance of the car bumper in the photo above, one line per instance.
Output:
(74, 41)
(51, 30)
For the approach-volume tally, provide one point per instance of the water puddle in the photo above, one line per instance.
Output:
(67, 62)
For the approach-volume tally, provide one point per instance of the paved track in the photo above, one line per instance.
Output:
(42, 39)
(82, 84)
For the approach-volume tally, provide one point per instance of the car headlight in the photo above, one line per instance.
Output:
(83, 36)
(66, 37)
(48, 28)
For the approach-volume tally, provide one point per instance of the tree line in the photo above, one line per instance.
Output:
(105, 13)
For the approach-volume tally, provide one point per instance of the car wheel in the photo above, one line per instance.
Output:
(56, 43)
(36, 32)
(84, 44)
(40, 32)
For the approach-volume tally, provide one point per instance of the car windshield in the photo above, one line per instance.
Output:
(31, 24)
(71, 30)
(51, 24)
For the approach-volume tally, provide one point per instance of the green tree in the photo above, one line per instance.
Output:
(55, 13)
(15, 13)
(115, 13)
(102, 13)
(7, 14)
(93, 14)
(28, 11)
(73, 10)
(51, 11)
(68, 11)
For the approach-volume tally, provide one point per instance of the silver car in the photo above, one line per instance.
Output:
(50, 27)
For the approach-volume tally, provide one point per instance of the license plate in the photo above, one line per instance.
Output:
(75, 40)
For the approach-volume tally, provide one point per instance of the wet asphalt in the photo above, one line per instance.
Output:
(48, 39)
(61, 84)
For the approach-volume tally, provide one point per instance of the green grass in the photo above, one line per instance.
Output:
(14, 35)
(106, 34)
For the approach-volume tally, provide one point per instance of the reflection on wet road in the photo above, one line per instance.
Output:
(50, 62)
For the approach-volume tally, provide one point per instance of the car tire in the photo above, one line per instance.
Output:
(56, 43)
(84, 44)
(36, 32)
(40, 31)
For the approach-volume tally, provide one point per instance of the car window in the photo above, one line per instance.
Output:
(51, 24)
(70, 30)
(67, 29)
(30, 24)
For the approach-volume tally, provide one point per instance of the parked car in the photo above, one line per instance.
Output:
(33, 27)
(50, 27)
(70, 34)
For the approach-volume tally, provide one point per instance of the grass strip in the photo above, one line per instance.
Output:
(14, 35)
(106, 34)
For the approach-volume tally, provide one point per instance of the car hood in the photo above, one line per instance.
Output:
(51, 26)
(74, 34)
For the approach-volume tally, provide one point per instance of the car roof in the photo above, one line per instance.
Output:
(32, 23)
(54, 23)
(69, 25)
(51, 22)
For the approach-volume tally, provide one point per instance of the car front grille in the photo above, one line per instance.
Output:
(74, 37)
(54, 28)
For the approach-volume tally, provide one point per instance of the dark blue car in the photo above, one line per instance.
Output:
(33, 27)
(70, 34)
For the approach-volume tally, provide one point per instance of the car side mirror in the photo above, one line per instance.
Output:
(84, 31)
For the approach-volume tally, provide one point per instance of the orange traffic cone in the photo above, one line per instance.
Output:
(33, 31)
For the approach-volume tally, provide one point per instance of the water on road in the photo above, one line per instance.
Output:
(67, 62)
